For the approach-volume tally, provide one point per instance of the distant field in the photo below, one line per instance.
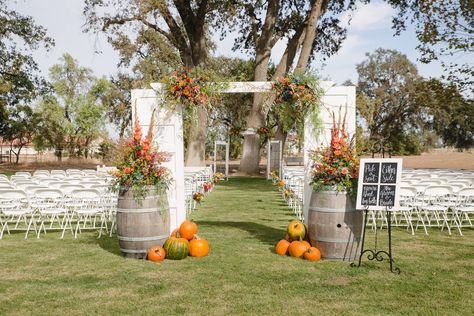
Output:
(438, 159)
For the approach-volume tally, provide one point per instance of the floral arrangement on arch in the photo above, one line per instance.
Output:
(188, 89)
(139, 164)
(297, 95)
(336, 167)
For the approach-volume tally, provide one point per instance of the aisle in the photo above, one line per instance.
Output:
(241, 210)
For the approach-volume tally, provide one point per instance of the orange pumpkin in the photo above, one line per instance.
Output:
(306, 243)
(282, 247)
(312, 254)
(156, 254)
(297, 248)
(281, 184)
(188, 229)
(198, 247)
(174, 233)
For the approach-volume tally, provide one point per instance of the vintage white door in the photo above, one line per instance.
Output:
(335, 100)
(168, 133)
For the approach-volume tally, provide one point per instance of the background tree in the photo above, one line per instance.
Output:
(447, 112)
(307, 26)
(19, 128)
(19, 79)
(166, 35)
(386, 98)
(52, 129)
(77, 101)
(445, 29)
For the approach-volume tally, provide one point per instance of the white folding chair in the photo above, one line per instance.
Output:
(464, 209)
(15, 208)
(49, 204)
(435, 206)
(87, 207)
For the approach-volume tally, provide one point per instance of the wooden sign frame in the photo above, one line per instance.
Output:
(379, 183)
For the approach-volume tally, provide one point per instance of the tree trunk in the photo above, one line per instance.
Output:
(196, 151)
(249, 164)
(281, 136)
(310, 34)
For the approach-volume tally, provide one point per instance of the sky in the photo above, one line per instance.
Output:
(370, 29)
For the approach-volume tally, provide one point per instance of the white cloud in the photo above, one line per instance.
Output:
(369, 17)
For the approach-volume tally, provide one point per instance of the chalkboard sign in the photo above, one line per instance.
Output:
(379, 181)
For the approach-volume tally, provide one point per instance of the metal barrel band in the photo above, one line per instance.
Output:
(337, 240)
(125, 238)
(133, 250)
(140, 210)
(329, 210)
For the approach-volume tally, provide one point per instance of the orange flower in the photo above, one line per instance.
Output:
(127, 170)
(344, 170)
(148, 157)
(337, 153)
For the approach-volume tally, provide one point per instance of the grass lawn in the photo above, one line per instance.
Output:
(242, 219)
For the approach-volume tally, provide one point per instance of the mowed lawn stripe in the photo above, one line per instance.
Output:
(243, 219)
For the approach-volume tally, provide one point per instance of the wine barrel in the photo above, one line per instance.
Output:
(142, 223)
(334, 225)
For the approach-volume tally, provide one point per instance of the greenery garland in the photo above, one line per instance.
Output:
(297, 95)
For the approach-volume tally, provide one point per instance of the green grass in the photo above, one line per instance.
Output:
(242, 219)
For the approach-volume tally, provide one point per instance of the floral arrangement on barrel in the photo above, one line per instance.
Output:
(297, 95)
(336, 167)
(139, 164)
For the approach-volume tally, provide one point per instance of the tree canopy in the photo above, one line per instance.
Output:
(445, 30)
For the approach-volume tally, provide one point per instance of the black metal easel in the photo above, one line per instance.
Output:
(373, 254)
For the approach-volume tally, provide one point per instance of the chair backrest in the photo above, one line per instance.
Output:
(71, 172)
(13, 198)
(52, 194)
(23, 184)
(436, 192)
(19, 178)
(89, 172)
(68, 188)
(466, 192)
(61, 172)
(407, 192)
(41, 172)
(89, 198)
(23, 174)
(57, 184)
(31, 189)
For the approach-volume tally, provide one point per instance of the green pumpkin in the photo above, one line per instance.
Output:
(176, 248)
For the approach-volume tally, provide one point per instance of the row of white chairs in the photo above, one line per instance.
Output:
(46, 209)
(293, 189)
(194, 180)
(437, 206)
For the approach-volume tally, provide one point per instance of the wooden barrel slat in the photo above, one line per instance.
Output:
(334, 226)
(142, 224)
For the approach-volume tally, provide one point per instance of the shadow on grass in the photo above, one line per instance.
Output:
(265, 234)
(109, 244)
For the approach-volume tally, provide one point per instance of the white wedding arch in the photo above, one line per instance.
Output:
(169, 130)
